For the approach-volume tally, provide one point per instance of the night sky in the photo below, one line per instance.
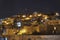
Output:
(12, 7)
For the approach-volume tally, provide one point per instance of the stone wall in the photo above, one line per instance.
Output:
(35, 37)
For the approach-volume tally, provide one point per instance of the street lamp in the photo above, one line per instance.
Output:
(27, 18)
(57, 14)
(39, 14)
(23, 16)
(30, 16)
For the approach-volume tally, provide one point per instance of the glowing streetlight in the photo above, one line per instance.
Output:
(30, 15)
(46, 17)
(8, 18)
(39, 14)
(54, 28)
(27, 18)
(23, 15)
(57, 14)
(6, 22)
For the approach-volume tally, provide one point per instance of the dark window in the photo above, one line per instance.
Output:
(29, 38)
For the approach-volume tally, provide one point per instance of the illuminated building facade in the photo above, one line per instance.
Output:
(30, 24)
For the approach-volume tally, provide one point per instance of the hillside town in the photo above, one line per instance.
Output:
(30, 24)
